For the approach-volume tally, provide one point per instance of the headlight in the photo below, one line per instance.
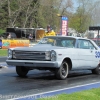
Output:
(47, 55)
(13, 54)
(53, 55)
(9, 53)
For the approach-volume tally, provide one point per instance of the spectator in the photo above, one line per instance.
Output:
(9, 36)
(30, 37)
(1, 37)
(49, 32)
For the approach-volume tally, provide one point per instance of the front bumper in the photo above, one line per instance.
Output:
(33, 64)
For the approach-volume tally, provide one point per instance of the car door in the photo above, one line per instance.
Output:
(86, 53)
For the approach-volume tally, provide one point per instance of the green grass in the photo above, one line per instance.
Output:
(3, 52)
(93, 94)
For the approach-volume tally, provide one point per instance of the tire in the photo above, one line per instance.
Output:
(62, 72)
(21, 71)
(96, 70)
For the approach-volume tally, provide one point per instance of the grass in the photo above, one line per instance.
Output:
(93, 94)
(3, 52)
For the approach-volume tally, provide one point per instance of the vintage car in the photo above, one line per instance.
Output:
(59, 54)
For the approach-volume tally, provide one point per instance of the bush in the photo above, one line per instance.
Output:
(1, 31)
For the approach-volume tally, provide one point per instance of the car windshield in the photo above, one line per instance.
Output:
(58, 41)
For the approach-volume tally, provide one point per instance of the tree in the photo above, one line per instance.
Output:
(82, 18)
(40, 13)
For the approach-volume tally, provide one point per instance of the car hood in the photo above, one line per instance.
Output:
(38, 47)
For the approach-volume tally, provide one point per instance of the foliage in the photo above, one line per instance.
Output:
(40, 13)
(80, 22)
(2, 31)
(84, 16)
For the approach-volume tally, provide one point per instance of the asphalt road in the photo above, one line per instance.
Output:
(12, 86)
(3, 59)
(39, 81)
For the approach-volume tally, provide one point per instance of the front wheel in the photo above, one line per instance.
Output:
(96, 70)
(62, 72)
(21, 71)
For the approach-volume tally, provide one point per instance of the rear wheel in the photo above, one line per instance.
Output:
(62, 72)
(21, 71)
(96, 70)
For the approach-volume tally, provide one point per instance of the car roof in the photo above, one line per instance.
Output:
(70, 37)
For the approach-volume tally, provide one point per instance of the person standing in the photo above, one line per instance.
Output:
(9, 36)
(30, 37)
(49, 32)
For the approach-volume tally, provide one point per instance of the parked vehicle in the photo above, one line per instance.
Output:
(59, 54)
(96, 40)
(37, 33)
(5, 35)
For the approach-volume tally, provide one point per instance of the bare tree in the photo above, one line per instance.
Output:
(2, 2)
(95, 13)
(12, 15)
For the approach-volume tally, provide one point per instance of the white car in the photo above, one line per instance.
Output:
(59, 54)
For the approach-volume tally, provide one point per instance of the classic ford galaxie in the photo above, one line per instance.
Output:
(59, 54)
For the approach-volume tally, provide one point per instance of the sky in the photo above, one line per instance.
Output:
(75, 3)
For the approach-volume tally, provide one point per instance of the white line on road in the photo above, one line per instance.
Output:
(54, 91)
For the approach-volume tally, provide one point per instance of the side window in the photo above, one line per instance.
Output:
(91, 46)
(85, 44)
(68, 43)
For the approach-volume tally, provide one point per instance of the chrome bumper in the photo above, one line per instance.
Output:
(34, 64)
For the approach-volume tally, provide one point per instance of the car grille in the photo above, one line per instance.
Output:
(29, 55)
